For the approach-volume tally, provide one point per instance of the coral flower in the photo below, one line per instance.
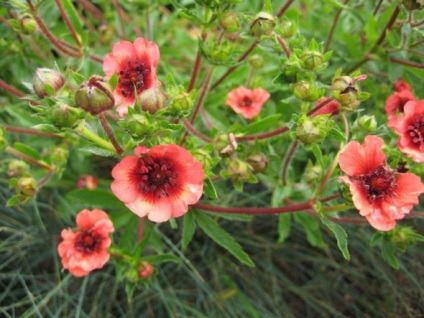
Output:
(246, 102)
(135, 65)
(85, 249)
(410, 127)
(380, 194)
(331, 107)
(400, 85)
(395, 103)
(159, 182)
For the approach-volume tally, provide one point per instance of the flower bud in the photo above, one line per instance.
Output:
(28, 24)
(312, 59)
(145, 270)
(95, 95)
(345, 90)
(46, 82)
(87, 181)
(17, 168)
(59, 156)
(137, 125)
(230, 22)
(153, 99)
(182, 101)
(308, 131)
(287, 29)
(239, 171)
(306, 91)
(264, 24)
(25, 188)
(256, 61)
(367, 124)
(258, 161)
(65, 116)
(313, 174)
(411, 4)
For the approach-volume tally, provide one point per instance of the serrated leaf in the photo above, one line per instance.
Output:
(73, 16)
(261, 125)
(318, 154)
(336, 134)
(189, 227)
(340, 234)
(47, 128)
(209, 189)
(29, 151)
(284, 224)
(97, 151)
(78, 78)
(113, 81)
(99, 198)
(222, 238)
(311, 227)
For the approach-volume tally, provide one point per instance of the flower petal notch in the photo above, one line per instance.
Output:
(85, 249)
(246, 102)
(380, 194)
(135, 64)
(160, 182)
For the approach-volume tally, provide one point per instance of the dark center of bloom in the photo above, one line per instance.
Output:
(156, 176)
(87, 241)
(416, 132)
(246, 101)
(378, 184)
(133, 77)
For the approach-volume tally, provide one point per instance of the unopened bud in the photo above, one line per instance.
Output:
(239, 171)
(345, 90)
(412, 4)
(87, 181)
(17, 168)
(367, 124)
(46, 82)
(28, 24)
(312, 59)
(59, 156)
(258, 161)
(137, 125)
(182, 101)
(26, 188)
(306, 91)
(65, 116)
(145, 270)
(230, 21)
(256, 61)
(313, 174)
(153, 99)
(95, 95)
(264, 24)
(287, 29)
(308, 131)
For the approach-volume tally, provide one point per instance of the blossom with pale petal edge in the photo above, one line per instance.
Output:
(159, 182)
(379, 193)
(135, 64)
(85, 249)
(246, 102)
(410, 127)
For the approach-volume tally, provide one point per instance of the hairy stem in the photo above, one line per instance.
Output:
(109, 133)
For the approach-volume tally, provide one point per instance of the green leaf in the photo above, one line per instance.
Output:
(99, 198)
(284, 224)
(29, 151)
(113, 81)
(98, 151)
(222, 238)
(46, 128)
(337, 135)
(311, 227)
(340, 234)
(189, 227)
(14, 201)
(73, 17)
(209, 189)
(78, 78)
(162, 258)
(261, 125)
(318, 154)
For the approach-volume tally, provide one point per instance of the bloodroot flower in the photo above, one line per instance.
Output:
(410, 127)
(85, 249)
(246, 102)
(159, 182)
(380, 194)
(135, 64)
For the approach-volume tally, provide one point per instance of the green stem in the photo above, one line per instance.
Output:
(96, 139)
(336, 208)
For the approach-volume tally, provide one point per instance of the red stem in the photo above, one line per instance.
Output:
(284, 8)
(202, 95)
(287, 161)
(377, 7)
(195, 72)
(110, 134)
(283, 45)
(407, 63)
(68, 23)
(30, 131)
(46, 178)
(15, 92)
(333, 27)
(329, 198)
(92, 9)
(195, 132)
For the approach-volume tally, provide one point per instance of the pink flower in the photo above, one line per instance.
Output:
(159, 182)
(331, 108)
(379, 193)
(135, 65)
(395, 103)
(246, 102)
(410, 127)
(87, 181)
(400, 85)
(85, 249)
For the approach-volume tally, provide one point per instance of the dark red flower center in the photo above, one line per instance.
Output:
(246, 101)
(156, 176)
(133, 77)
(378, 184)
(87, 241)
(416, 132)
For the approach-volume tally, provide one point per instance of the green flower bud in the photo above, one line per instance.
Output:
(26, 188)
(182, 101)
(239, 171)
(17, 168)
(264, 24)
(403, 237)
(46, 82)
(306, 91)
(59, 156)
(258, 161)
(287, 29)
(137, 125)
(345, 90)
(65, 116)
(307, 131)
(203, 157)
(313, 174)
(230, 22)
(221, 141)
(412, 4)
(367, 124)
(28, 24)
(95, 95)
(312, 59)
(256, 61)
(153, 99)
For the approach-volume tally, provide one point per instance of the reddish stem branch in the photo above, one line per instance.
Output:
(30, 131)
(195, 72)
(23, 156)
(110, 134)
(202, 94)
(195, 132)
(329, 198)
(283, 45)
(407, 63)
(16, 92)
(284, 8)
(287, 161)
(333, 27)
(92, 9)
(68, 22)
(417, 43)
(377, 7)
(126, 18)
(46, 178)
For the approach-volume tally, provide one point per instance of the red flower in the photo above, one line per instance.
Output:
(379, 193)
(85, 249)
(395, 103)
(135, 65)
(331, 108)
(87, 181)
(159, 182)
(400, 85)
(410, 127)
(246, 102)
